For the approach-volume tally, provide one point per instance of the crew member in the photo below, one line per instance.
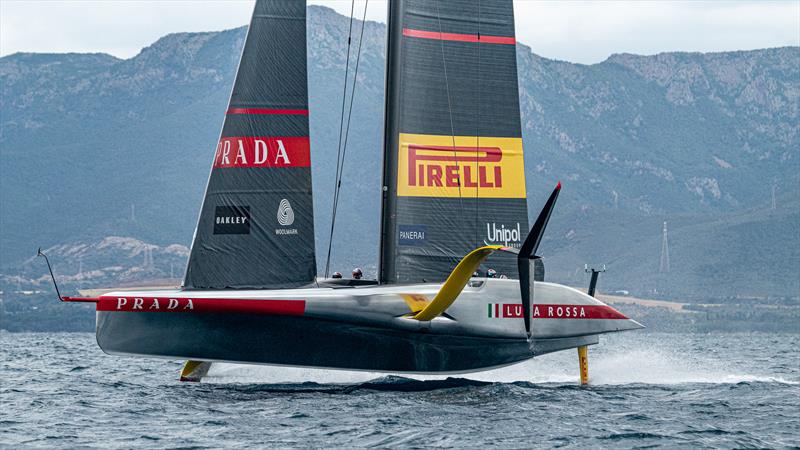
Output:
(357, 274)
(336, 275)
(491, 273)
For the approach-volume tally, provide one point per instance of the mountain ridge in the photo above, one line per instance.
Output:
(642, 137)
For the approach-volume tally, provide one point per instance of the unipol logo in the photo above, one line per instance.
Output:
(460, 166)
(501, 235)
(285, 213)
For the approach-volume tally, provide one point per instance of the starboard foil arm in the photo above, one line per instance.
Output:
(527, 256)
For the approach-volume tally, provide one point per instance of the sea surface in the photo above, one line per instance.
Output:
(648, 389)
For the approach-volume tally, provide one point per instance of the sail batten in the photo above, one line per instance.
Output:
(256, 223)
(454, 174)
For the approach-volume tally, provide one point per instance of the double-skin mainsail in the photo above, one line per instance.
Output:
(454, 175)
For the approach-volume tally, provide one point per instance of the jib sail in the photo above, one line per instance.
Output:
(454, 175)
(256, 225)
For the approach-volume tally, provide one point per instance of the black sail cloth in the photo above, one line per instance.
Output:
(256, 227)
(454, 175)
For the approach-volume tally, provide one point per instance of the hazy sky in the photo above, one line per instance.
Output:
(577, 31)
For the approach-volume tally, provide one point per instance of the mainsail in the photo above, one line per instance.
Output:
(256, 227)
(454, 175)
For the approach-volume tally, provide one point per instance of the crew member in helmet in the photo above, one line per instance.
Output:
(491, 273)
(357, 274)
(336, 275)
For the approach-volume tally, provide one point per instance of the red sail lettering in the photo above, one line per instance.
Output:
(263, 151)
(434, 158)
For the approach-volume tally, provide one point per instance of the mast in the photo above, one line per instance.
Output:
(386, 262)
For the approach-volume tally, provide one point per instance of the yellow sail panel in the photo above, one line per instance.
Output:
(461, 166)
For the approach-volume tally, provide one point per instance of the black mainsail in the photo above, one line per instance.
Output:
(453, 174)
(256, 227)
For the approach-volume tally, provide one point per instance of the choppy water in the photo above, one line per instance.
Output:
(674, 390)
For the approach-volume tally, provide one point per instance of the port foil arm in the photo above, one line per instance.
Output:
(456, 281)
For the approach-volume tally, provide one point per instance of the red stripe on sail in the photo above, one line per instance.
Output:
(263, 151)
(289, 112)
(202, 305)
(457, 37)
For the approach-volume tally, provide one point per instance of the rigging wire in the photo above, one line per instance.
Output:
(341, 126)
(450, 111)
(342, 149)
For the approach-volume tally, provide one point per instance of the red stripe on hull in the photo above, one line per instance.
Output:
(288, 112)
(202, 305)
(576, 312)
(457, 37)
(263, 151)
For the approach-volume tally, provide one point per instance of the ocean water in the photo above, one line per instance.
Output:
(648, 389)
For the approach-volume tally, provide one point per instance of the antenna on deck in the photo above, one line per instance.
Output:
(595, 273)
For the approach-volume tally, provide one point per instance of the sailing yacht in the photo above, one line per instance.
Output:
(453, 195)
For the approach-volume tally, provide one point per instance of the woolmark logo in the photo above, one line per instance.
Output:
(500, 234)
(285, 213)
(285, 218)
(460, 166)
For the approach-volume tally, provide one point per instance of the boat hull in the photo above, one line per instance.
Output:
(301, 341)
(358, 328)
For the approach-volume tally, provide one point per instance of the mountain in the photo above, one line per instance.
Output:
(96, 148)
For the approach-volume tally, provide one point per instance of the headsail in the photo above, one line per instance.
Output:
(454, 175)
(256, 227)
